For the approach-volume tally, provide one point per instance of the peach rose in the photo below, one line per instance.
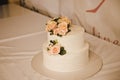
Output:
(51, 25)
(55, 49)
(64, 19)
(63, 28)
(55, 31)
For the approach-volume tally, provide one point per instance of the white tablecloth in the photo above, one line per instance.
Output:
(22, 36)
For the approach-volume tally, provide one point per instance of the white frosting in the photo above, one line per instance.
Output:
(68, 62)
(74, 40)
(77, 55)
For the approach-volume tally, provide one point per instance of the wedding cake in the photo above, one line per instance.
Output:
(65, 49)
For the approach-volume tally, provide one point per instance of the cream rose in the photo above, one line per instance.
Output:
(55, 31)
(64, 19)
(62, 28)
(51, 25)
(55, 49)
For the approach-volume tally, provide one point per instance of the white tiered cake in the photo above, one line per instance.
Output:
(65, 49)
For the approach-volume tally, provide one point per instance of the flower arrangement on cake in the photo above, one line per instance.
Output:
(58, 26)
(55, 48)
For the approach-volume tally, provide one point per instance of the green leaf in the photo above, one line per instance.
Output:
(51, 32)
(48, 49)
(69, 25)
(53, 42)
(62, 51)
(59, 35)
(69, 30)
(56, 19)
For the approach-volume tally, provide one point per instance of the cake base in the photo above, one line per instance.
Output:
(94, 65)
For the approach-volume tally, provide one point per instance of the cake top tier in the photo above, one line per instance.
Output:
(58, 26)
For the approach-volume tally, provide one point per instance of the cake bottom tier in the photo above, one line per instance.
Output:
(68, 62)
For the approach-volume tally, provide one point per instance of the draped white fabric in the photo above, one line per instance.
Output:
(17, 65)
